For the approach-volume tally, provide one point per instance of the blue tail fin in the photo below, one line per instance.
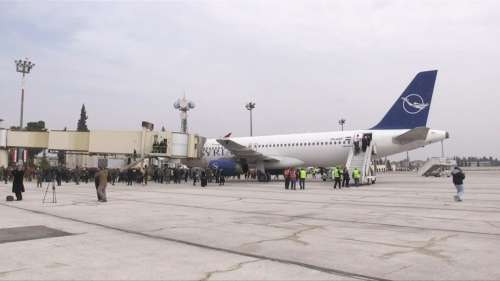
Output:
(411, 109)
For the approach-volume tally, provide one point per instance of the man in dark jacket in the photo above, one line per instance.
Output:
(458, 181)
(18, 183)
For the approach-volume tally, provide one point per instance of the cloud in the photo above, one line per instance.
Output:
(305, 63)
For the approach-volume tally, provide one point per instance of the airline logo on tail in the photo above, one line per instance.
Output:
(414, 104)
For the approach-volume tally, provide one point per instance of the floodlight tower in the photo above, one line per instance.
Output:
(342, 123)
(184, 105)
(250, 107)
(24, 67)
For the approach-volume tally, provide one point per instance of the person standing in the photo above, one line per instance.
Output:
(356, 144)
(336, 178)
(222, 179)
(364, 143)
(356, 175)
(146, 174)
(39, 177)
(129, 176)
(102, 177)
(293, 179)
(458, 181)
(286, 174)
(345, 177)
(18, 183)
(77, 175)
(194, 175)
(302, 178)
(2, 171)
(59, 175)
(96, 183)
(6, 175)
(203, 179)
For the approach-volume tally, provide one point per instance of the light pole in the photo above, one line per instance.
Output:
(24, 67)
(341, 123)
(184, 105)
(250, 106)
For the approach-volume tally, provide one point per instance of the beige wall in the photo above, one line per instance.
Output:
(4, 158)
(64, 140)
(107, 142)
(115, 142)
(27, 139)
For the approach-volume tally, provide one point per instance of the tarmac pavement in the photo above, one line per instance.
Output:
(402, 228)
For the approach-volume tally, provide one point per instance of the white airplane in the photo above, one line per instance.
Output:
(402, 129)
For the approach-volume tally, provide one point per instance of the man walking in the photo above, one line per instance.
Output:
(102, 176)
(458, 181)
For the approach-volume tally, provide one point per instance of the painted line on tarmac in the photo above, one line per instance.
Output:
(208, 247)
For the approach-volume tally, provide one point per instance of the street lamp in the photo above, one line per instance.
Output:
(24, 67)
(250, 106)
(341, 123)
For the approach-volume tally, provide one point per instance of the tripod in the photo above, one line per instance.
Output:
(54, 198)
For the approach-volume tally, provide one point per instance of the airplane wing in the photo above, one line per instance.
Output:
(242, 151)
(417, 134)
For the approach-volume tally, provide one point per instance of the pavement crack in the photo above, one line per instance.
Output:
(492, 224)
(5, 273)
(294, 237)
(234, 267)
(398, 270)
(425, 249)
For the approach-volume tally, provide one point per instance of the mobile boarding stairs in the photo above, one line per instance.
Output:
(435, 166)
(362, 160)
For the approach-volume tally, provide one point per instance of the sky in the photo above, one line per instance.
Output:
(305, 64)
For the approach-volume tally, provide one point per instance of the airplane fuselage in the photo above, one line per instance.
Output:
(325, 149)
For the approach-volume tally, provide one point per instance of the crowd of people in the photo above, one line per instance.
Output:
(341, 177)
(17, 174)
(361, 143)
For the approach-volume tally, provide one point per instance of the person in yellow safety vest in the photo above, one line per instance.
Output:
(302, 178)
(356, 175)
(336, 177)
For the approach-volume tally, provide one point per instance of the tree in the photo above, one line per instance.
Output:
(82, 122)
